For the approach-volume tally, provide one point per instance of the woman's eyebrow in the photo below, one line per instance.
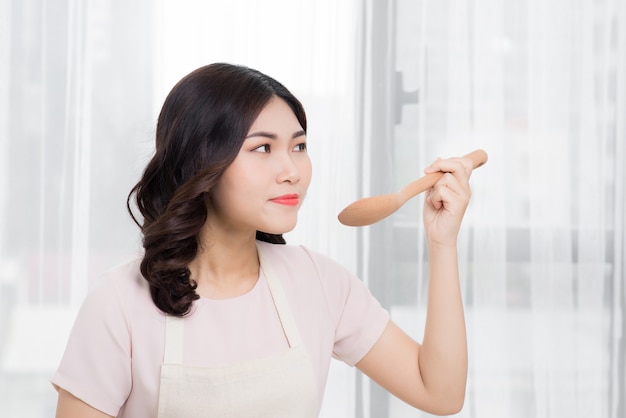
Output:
(273, 135)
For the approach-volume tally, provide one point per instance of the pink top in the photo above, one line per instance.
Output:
(115, 351)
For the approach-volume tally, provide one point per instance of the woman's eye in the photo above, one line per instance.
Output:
(262, 148)
(300, 147)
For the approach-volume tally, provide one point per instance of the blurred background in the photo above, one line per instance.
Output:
(389, 85)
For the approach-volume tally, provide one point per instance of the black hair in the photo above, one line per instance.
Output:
(200, 130)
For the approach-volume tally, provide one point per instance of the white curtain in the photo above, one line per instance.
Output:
(81, 84)
(540, 85)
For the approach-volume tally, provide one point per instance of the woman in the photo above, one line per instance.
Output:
(217, 318)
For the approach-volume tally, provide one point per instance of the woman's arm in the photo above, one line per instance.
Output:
(69, 406)
(432, 376)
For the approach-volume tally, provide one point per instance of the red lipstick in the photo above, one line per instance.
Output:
(287, 200)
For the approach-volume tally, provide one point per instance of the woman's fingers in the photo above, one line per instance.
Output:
(448, 199)
(458, 171)
(451, 165)
(448, 190)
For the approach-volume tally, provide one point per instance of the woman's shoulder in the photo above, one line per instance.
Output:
(121, 284)
(126, 275)
(304, 266)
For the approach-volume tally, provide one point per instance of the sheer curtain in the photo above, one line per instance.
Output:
(80, 86)
(389, 85)
(76, 118)
(540, 86)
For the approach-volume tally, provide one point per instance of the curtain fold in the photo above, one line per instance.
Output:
(618, 277)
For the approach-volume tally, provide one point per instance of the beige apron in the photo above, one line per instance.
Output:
(282, 385)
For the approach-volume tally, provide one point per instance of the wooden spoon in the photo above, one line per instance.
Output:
(370, 210)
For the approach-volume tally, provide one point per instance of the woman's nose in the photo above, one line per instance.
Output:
(288, 171)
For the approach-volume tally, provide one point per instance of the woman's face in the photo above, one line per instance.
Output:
(266, 183)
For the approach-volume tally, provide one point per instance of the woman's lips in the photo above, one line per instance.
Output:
(287, 200)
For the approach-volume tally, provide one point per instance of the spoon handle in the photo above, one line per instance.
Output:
(478, 158)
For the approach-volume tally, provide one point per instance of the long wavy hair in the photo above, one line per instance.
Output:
(200, 130)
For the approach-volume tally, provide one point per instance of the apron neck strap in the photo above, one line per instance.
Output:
(174, 326)
(174, 333)
(280, 300)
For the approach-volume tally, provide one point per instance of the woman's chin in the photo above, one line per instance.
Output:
(283, 228)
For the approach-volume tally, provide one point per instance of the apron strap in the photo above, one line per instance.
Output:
(280, 300)
(175, 326)
(174, 332)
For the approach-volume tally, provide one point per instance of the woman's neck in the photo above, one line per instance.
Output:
(225, 266)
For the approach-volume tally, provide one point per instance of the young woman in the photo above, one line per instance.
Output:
(219, 318)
